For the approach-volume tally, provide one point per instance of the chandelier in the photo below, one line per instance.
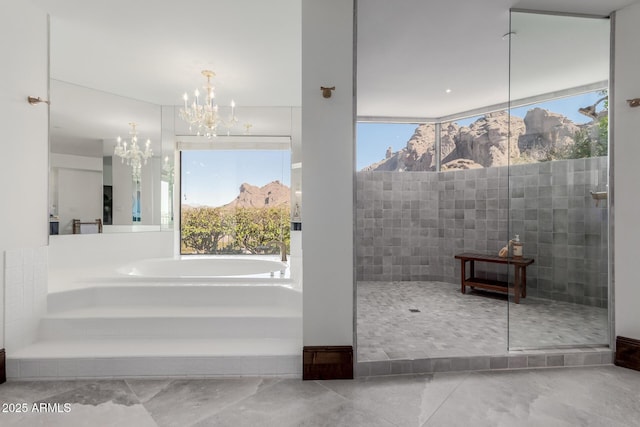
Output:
(167, 169)
(202, 114)
(132, 153)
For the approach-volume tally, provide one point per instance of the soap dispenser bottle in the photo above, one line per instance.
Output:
(517, 247)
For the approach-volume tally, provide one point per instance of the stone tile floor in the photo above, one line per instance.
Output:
(450, 324)
(592, 396)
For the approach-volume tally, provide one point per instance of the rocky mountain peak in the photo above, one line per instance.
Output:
(273, 194)
(483, 143)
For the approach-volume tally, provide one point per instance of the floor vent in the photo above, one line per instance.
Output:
(414, 310)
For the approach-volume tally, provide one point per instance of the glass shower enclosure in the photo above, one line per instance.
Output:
(558, 178)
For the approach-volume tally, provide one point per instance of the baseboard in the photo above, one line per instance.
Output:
(327, 362)
(628, 353)
(3, 366)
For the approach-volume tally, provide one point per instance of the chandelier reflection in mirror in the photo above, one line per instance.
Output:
(203, 115)
(131, 152)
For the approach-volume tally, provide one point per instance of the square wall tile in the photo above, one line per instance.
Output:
(13, 258)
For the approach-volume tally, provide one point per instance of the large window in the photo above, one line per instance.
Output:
(383, 146)
(234, 201)
(570, 127)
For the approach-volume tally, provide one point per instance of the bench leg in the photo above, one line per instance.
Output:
(524, 282)
(517, 291)
(463, 276)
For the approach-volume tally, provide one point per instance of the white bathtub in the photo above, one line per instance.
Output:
(205, 268)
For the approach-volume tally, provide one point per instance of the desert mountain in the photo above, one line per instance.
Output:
(484, 143)
(274, 194)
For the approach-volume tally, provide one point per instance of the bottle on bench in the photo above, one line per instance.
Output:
(516, 247)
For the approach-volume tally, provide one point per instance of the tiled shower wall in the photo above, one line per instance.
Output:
(411, 224)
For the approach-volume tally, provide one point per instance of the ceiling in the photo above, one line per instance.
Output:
(408, 52)
(434, 59)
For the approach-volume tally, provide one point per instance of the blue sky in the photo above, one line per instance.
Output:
(374, 138)
(213, 178)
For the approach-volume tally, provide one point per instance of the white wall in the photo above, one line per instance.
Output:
(327, 172)
(107, 170)
(79, 197)
(150, 193)
(75, 189)
(79, 260)
(122, 192)
(69, 161)
(122, 182)
(626, 197)
(24, 159)
(86, 251)
(295, 260)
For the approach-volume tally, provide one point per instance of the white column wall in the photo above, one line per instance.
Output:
(327, 172)
(295, 260)
(122, 183)
(150, 192)
(626, 155)
(23, 163)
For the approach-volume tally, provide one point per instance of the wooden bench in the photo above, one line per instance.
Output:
(519, 288)
(87, 227)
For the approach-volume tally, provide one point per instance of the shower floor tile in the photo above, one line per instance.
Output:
(450, 324)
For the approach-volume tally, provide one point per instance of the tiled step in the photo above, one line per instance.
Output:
(119, 357)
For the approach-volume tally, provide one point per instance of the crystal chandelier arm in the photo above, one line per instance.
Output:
(205, 117)
(131, 152)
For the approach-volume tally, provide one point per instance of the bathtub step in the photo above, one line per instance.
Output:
(164, 330)
(135, 311)
(118, 357)
(183, 295)
(165, 326)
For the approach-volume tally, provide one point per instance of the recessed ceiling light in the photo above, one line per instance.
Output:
(448, 90)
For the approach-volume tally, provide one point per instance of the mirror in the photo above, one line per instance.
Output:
(87, 180)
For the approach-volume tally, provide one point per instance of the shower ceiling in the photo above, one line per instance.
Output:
(434, 59)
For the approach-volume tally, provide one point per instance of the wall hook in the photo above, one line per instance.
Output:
(326, 91)
(36, 100)
(635, 102)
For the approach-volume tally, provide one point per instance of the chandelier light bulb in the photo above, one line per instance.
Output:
(205, 118)
(132, 153)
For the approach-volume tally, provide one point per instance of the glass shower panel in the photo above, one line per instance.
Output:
(558, 180)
